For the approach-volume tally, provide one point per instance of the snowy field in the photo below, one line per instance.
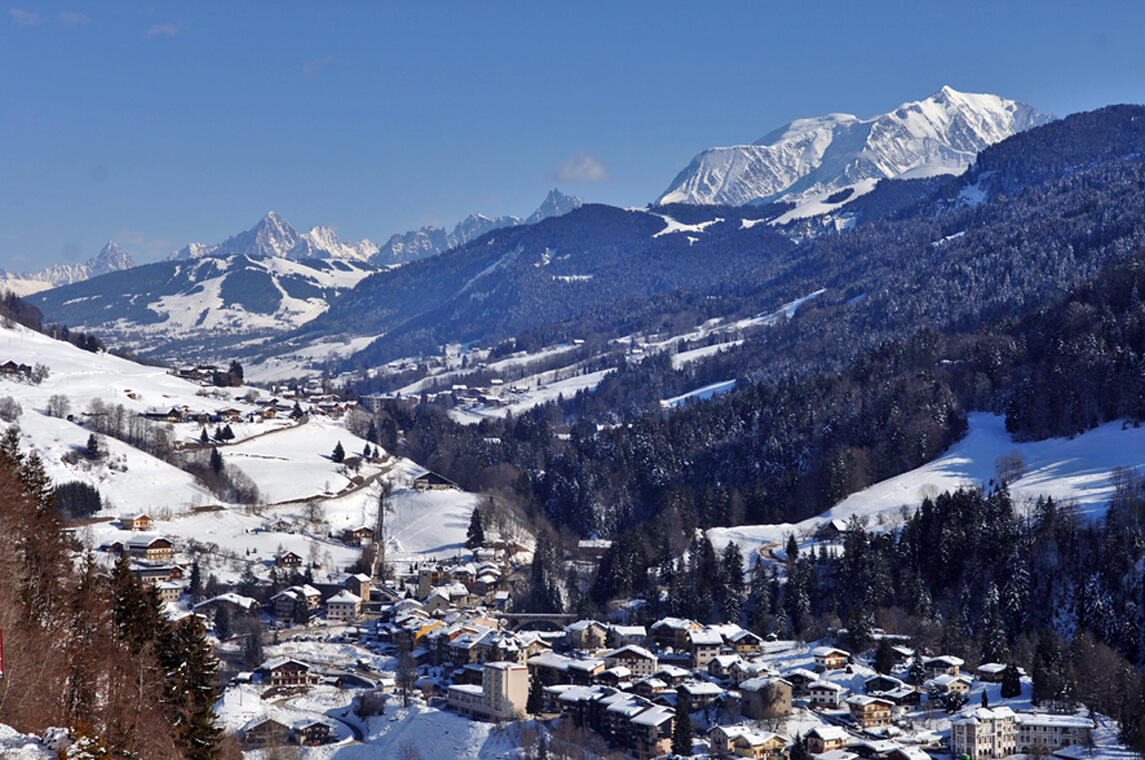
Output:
(1076, 470)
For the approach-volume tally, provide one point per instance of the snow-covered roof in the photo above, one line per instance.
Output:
(702, 688)
(230, 598)
(705, 637)
(826, 686)
(344, 597)
(830, 733)
(278, 662)
(654, 716)
(822, 651)
(631, 649)
(1057, 721)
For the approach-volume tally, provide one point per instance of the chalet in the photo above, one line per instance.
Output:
(704, 644)
(230, 415)
(263, 731)
(825, 694)
(285, 671)
(586, 634)
(615, 677)
(991, 672)
(638, 660)
(313, 732)
(942, 665)
(765, 698)
(947, 684)
(236, 604)
(151, 575)
(363, 533)
(880, 683)
(431, 481)
(623, 635)
(800, 680)
(289, 559)
(868, 711)
(343, 606)
(672, 675)
(138, 522)
(168, 591)
(745, 643)
(762, 744)
(12, 368)
(720, 666)
(150, 547)
(698, 695)
(904, 696)
(742, 670)
(673, 632)
(826, 738)
(830, 658)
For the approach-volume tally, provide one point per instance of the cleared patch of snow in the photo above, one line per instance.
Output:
(671, 226)
(700, 393)
(1077, 470)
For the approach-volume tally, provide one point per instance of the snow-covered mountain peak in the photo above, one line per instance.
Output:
(819, 155)
(555, 203)
(111, 258)
(275, 237)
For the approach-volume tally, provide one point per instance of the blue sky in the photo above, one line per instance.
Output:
(156, 124)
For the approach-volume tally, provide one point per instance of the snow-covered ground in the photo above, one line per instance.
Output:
(1077, 470)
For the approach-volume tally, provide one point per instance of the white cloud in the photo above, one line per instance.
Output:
(582, 167)
(163, 30)
(72, 18)
(25, 18)
(311, 68)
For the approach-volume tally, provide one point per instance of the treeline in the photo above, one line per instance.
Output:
(89, 651)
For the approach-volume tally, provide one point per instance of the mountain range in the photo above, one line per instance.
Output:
(274, 236)
(819, 156)
(111, 258)
(428, 241)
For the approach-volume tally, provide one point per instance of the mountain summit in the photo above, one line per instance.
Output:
(815, 156)
(273, 236)
(111, 258)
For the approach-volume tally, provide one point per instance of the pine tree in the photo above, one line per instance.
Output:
(682, 733)
(792, 548)
(339, 453)
(216, 461)
(475, 535)
(884, 656)
(196, 585)
(1011, 682)
(917, 673)
(223, 623)
(372, 432)
(536, 700)
(204, 438)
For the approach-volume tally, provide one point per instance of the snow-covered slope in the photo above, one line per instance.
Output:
(111, 258)
(1075, 470)
(214, 300)
(816, 156)
(273, 236)
(288, 460)
(427, 241)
